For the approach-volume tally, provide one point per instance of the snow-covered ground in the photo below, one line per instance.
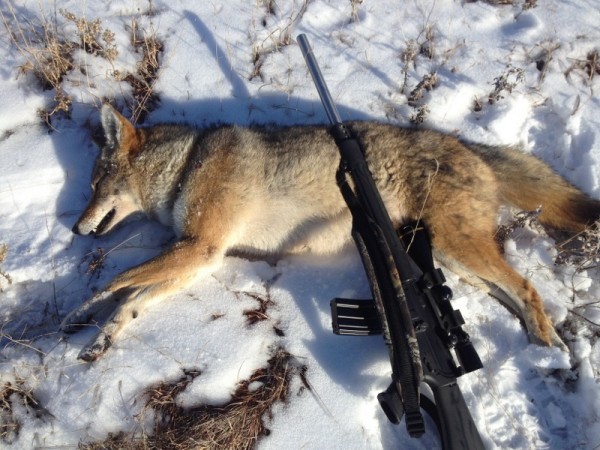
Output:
(237, 61)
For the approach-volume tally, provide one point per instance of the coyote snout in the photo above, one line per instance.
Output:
(272, 191)
(87, 225)
(104, 213)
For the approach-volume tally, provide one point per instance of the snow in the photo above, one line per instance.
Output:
(525, 396)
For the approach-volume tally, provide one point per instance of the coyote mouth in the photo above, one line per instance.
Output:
(104, 222)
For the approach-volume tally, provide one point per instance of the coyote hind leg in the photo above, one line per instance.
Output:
(475, 256)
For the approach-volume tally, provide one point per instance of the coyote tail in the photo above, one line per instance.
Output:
(528, 183)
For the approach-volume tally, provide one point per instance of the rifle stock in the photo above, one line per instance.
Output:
(454, 422)
(419, 325)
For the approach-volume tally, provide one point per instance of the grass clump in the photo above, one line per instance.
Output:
(16, 397)
(239, 424)
(93, 39)
(47, 54)
(50, 48)
(146, 44)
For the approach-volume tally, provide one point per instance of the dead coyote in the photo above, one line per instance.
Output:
(272, 191)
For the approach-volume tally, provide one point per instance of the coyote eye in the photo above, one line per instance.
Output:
(96, 177)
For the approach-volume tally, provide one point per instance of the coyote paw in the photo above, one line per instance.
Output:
(81, 316)
(553, 340)
(558, 342)
(95, 348)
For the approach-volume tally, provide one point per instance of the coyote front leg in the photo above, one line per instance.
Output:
(136, 288)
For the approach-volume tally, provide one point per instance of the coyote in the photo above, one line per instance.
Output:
(271, 190)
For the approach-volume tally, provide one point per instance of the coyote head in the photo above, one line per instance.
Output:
(113, 190)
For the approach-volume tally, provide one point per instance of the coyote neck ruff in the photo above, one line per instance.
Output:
(272, 191)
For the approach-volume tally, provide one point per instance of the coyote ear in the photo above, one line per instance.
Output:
(119, 132)
(116, 127)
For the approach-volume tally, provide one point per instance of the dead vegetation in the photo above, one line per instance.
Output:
(96, 261)
(408, 58)
(259, 313)
(280, 36)
(93, 39)
(354, 13)
(150, 47)
(239, 424)
(428, 82)
(47, 54)
(416, 98)
(505, 83)
(4, 275)
(16, 396)
(520, 219)
(48, 47)
(423, 46)
(587, 67)
(582, 250)
(543, 54)
(418, 117)
(525, 4)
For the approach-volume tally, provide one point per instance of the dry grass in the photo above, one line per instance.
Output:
(428, 82)
(354, 13)
(96, 261)
(48, 45)
(525, 4)
(418, 117)
(408, 58)
(4, 275)
(505, 83)
(259, 313)
(47, 55)
(146, 43)
(520, 219)
(587, 67)
(237, 425)
(93, 39)
(581, 250)
(422, 46)
(15, 395)
(543, 56)
(279, 37)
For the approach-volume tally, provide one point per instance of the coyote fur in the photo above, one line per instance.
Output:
(272, 191)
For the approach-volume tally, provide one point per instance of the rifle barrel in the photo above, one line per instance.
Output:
(315, 72)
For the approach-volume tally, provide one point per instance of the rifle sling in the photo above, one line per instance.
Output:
(388, 293)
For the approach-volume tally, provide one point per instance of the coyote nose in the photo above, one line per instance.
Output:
(75, 229)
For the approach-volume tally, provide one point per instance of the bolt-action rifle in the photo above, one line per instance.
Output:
(411, 305)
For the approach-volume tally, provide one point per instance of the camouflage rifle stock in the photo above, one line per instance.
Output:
(411, 305)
